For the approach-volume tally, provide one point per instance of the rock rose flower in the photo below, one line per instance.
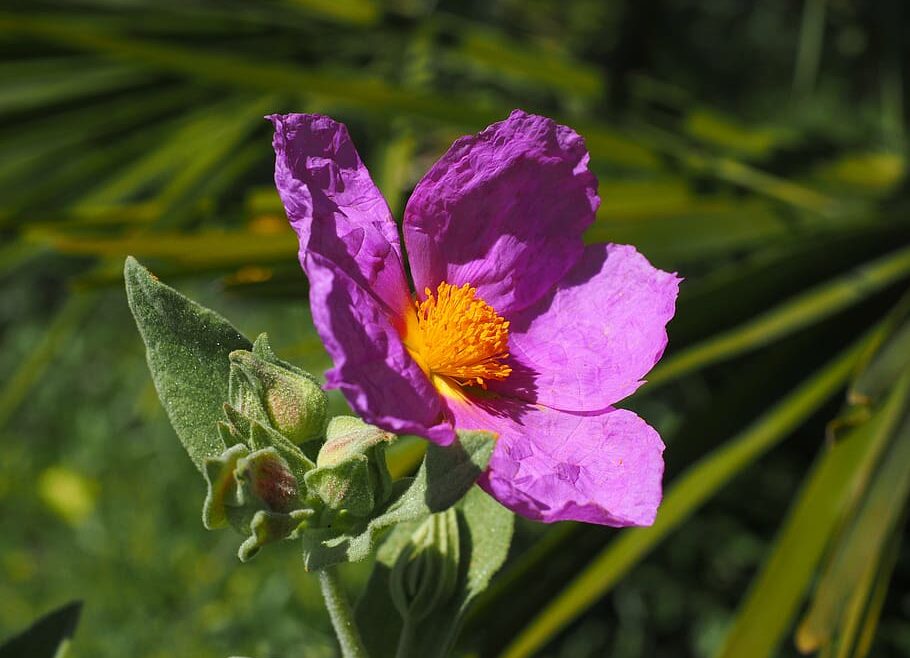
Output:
(514, 325)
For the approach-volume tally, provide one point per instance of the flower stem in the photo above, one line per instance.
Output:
(405, 640)
(341, 614)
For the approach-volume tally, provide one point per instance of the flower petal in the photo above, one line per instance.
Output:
(334, 206)
(372, 367)
(551, 465)
(504, 211)
(587, 344)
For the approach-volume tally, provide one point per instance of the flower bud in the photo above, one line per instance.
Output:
(425, 574)
(285, 397)
(351, 474)
(269, 479)
(347, 436)
(256, 493)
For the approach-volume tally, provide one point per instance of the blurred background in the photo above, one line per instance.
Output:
(757, 148)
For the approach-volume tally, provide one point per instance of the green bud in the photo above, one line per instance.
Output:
(425, 575)
(255, 492)
(347, 436)
(345, 488)
(351, 473)
(274, 392)
(267, 527)
(269, 479)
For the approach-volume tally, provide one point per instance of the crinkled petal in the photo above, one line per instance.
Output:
(372, 367)
(504, 211)
(589, 343)
(551, 465)
(334, 206)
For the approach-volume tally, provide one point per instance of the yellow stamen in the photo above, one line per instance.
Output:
(458, 336)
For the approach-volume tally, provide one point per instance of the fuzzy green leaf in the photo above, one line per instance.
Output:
(187, 347)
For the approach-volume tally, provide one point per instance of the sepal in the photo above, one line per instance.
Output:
(267, 527)
(223, 492)
(277, 393)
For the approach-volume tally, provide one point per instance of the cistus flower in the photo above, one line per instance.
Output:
(514, 325)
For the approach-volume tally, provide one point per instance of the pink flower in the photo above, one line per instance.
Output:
(516, 326)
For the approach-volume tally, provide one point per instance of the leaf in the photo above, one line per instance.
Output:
(450, 471)
(852, 635)
(776, 592)
(207, 248)
(444, 477)
(187, 348)
(485, 532)
(858, 553)
(48, 637)
(685, 496)
(808, 307)
(883, 370)
(876, 601)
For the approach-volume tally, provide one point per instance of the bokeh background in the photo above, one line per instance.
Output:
(758, 148)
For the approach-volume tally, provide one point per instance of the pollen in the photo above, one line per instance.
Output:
(457, 335)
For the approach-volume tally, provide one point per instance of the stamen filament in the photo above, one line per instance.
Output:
(458, 335)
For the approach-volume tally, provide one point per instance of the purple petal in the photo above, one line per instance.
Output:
(551, 465)
(587, 344)
(504, 211)
(334, 206)
(372, 367)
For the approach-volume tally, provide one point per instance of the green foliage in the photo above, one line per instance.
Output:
(428, 573)
(187, 348)
(842, 470)
(445, 476)
(48, 637)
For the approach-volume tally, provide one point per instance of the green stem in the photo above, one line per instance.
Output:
(406, 640)
(342, 615)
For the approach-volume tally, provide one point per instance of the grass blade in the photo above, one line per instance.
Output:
(857, 555)
(843, 469)
(808, 307)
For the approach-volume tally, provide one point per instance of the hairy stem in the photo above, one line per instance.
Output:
(341, 614)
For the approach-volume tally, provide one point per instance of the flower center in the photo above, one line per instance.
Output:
(456, 334)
